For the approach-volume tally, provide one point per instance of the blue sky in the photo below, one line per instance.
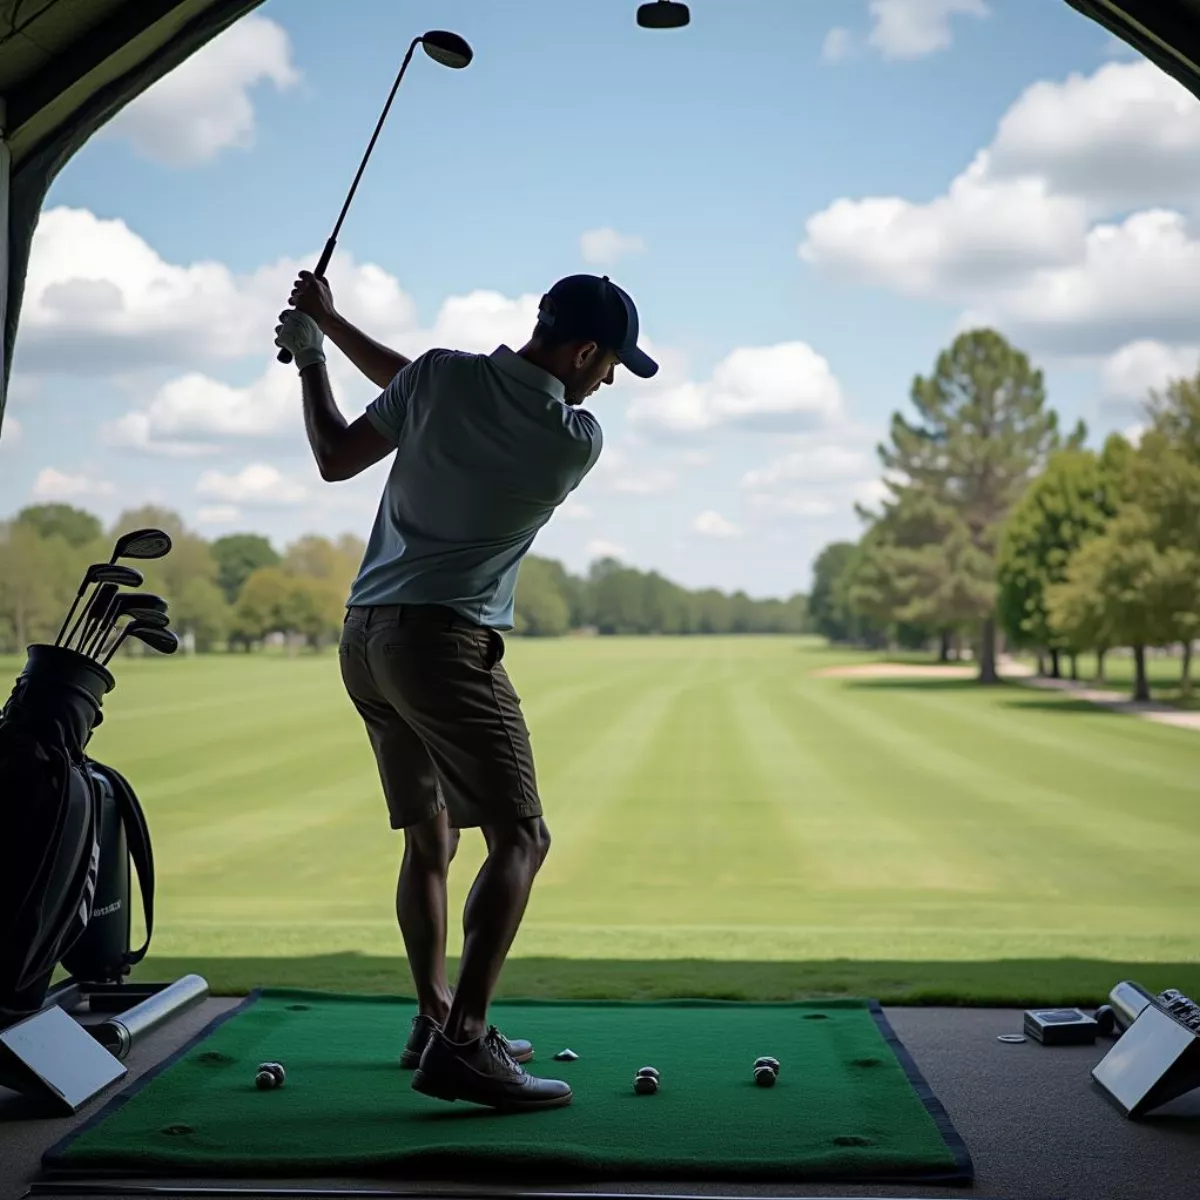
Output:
(807, 202)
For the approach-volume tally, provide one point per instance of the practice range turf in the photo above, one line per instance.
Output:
(849, 1103)
(725, 823)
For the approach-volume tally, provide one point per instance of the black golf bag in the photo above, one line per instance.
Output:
(102, 953)
(55, 805)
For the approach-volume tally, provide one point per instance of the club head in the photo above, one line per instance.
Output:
(142, 543)
(142, 601)
(148, 616)
(115, 573)
(663, 14)
(102, 600)
(447, 48)
(162, 640)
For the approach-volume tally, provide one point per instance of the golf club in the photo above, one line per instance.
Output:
(95, 608)
(137, 543)
(162, 640)
(101, 573)
(126, 604)
(142, 543)
(445, 48)
(663, 14)
(146, 616)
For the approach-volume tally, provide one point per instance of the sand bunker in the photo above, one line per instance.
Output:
(898, 671)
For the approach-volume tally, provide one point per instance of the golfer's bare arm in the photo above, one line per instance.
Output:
(342, 450)
(379, 364)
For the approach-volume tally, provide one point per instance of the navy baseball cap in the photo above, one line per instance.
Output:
(592, 308)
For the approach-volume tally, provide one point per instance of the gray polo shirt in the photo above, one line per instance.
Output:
(486, 450)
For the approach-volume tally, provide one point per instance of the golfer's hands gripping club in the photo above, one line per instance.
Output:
(301, 337)
(311, 295)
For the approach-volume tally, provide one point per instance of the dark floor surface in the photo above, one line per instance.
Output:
(1036, 1125)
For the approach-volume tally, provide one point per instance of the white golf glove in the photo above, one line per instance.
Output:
(301, 335)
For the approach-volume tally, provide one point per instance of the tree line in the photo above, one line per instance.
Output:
(997, 524)
(237, 592)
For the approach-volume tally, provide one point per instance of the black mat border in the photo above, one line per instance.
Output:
(961, 1175)
(933, 1106)
(123, 1097)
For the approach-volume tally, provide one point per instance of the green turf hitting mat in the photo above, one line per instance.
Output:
(849, 1104)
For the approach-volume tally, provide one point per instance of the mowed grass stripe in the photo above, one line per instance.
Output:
(992, 761)
(1045, 874)
(848, 836)
(687, 830)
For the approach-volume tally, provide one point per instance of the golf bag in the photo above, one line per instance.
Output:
(49, 820)
(102, 953)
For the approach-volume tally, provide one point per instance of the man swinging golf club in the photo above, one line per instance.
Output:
(486, 447)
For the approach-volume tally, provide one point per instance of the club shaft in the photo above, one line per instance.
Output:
(362, 166)
(113, 648)
(89, 642)
(71, 611)
(285, 356)
(83, 612)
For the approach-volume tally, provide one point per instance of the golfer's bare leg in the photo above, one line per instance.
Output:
(491, 918)
(421, 909)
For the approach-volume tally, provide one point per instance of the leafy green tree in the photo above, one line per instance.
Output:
(982, 432)
(38, 578)
(261, 607)
(917, 567)
(238, 556)
(540, 608)
(311, 608)
(825, 610)
(1072, 500)
(76, 526)
(202, 610)
(1117, 592)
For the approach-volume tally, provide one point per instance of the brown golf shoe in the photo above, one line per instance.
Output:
(424, 1027)
(484, 1072)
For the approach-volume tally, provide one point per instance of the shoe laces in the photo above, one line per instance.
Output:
(497, 1043)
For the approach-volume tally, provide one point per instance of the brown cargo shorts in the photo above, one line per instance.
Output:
(442, 715)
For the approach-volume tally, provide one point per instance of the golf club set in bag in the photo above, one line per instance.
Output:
(69, 824)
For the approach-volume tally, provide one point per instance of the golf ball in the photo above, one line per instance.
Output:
(645, 1085)
(276, 1069)
(764, 1076)
(767, 1061)
(265, 1080)
(651, 1071)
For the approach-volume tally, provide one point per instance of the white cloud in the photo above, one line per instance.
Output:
(982, 233)
(817, 475)
(52, 484)
(1140, 367)
(1020, 238)
(712, 524)
(203, 106)
(603, 247)
(915, 28)
(838, 45)
(1124, 136)
(573, 510)
(218, 514)
(772, 388)
(618, 471)
(257, 484)
(601, 548)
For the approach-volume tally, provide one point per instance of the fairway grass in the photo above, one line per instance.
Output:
(724, 821)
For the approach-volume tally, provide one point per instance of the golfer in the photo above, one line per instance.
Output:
(485, 447)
